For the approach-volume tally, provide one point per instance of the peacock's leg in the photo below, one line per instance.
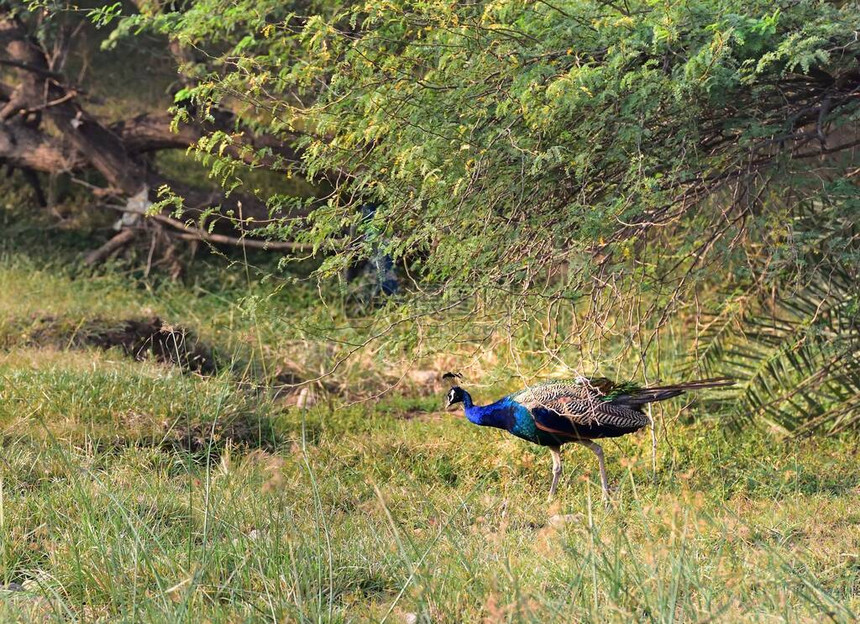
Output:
(595, 447)
(556, 468)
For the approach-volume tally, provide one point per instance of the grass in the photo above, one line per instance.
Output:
(130, 491)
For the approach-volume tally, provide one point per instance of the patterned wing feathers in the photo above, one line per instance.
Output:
(549, 391)
(582, 402)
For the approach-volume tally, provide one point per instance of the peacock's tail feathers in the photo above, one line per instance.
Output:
(641, 396)
(559, 394)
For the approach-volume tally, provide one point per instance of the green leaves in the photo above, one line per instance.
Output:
(103, 16)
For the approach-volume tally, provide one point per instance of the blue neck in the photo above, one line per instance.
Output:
(499, 414)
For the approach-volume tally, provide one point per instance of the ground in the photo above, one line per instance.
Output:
(138, 491)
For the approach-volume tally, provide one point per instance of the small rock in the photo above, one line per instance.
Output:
(559, 520)
(411, 618)
(307, 398)
(13, 587)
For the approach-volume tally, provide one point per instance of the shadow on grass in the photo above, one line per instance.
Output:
(201, 441)
(139, 339)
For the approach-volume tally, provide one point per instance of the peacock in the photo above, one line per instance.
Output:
(579, 410)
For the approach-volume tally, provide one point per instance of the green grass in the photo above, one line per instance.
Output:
(132, 492)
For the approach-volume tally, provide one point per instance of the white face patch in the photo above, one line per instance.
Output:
(451, 396)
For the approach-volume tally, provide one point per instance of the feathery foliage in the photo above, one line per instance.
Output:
(798, 355)
(525, 132)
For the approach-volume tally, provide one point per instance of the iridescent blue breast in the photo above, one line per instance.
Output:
(524, 424)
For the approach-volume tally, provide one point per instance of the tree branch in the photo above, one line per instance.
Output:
(120, 240)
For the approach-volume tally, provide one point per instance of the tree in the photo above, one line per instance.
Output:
(45, 127)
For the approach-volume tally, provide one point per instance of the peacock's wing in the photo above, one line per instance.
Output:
(558, 394)
(580, 408)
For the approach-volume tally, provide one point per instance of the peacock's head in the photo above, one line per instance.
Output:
(455, 395)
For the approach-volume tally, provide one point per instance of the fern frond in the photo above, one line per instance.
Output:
(797, 358)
